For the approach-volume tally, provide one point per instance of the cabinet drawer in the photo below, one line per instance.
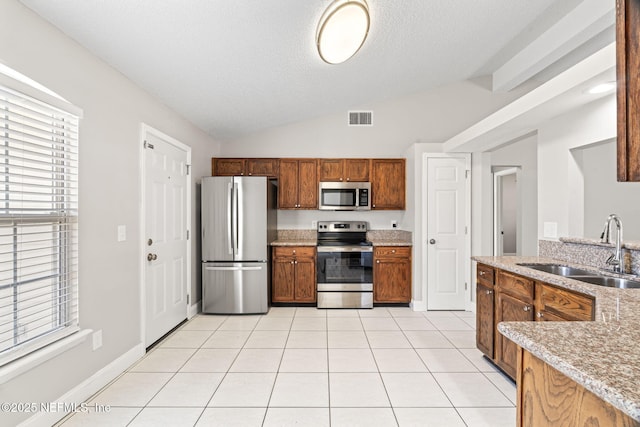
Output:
(515, 285)
(392, 251)
(485, 275)
(297, 251)
(567, 304)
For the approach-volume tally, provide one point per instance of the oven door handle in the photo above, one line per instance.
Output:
(324, 249)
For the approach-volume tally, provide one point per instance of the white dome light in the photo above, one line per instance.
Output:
(342, 30)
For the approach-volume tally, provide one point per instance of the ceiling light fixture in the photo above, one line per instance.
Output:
(342, 30)
(602, 88)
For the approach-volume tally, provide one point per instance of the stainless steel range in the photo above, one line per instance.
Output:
(345, 265)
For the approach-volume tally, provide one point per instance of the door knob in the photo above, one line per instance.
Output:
(152, 257)
(432, 241)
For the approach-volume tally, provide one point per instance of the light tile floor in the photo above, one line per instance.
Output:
(389, 366)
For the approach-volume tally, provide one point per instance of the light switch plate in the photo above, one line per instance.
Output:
(394, 224)
(122, 233)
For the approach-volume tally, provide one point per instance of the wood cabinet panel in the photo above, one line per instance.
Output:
(223, 166)
(485, 275)
(552, 302)
(343, 170)
(262, 167)
(356, 170)
(308, 184)
(388, 184)
(392, 274)
(305, 282)
(485, 325)
(293, 274)
(283, 279)
(514, 285)
(330, 169)
(628, 96)
(547, 397)
(288, 184)
(227, 167)
(509, 308)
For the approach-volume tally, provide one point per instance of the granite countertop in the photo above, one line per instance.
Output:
(310, 238)
(602, 356)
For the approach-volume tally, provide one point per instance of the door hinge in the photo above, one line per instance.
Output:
(466, 230)
(188, 169)
(466, 173)
(147, 145)
(188, 299)
(466, 285)
(188, 234)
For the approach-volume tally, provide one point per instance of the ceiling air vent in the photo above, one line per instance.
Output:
(360, 118)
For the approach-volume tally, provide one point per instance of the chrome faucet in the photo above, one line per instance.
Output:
(616, 260)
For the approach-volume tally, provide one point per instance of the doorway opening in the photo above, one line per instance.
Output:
(507, 222)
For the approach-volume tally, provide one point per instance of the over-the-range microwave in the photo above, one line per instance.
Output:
(345, 196)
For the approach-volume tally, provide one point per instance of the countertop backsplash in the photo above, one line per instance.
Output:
(589, 252)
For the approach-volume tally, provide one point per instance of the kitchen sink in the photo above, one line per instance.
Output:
(612, 282)
(560, 270)
(585, 276)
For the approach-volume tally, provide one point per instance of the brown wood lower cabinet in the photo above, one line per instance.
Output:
(294, 274)
(392, 274)
(547, 397)
(503, 296)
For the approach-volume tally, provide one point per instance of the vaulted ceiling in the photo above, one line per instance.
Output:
(235, 67)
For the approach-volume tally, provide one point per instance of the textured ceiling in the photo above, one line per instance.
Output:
(234, 67)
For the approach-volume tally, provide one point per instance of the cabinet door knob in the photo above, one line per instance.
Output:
(340, 179)
(295, 262)
(377, 261)
(348, 179)
(540, 315)
(527, 308)
(482, 273)
(393, 251)
(373, 206)
(291, 262)
(294, 251)
(489, 292)
(249, 173)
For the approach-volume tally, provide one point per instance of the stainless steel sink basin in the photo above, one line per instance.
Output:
(612, 282)
(560, 270)
(585, 276)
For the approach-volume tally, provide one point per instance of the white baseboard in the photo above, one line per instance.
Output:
(193, 310)
(88, 388)
(418, 305)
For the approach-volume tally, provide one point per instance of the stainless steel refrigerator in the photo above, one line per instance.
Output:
(238, 225)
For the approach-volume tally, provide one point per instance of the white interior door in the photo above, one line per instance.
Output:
(166, 254)
(448, 219)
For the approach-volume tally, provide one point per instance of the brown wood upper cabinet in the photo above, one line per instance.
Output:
(388, 184)
(244, 167)
(628, 70)
(343, 170)
(298, 184)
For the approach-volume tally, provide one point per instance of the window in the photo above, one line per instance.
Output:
(38, 222)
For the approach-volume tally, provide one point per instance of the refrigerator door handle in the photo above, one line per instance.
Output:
(230, 220)
(233, 268)
(236, 217)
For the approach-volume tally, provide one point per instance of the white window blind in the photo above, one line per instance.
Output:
(38, 224)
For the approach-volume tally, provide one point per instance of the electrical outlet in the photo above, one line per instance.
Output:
(122, 233)
(314, 224)
(97, 339)
(394, 224)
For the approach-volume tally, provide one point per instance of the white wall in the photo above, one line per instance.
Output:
(606, 195)
(561, 187)
(110, 159)
(399, 125)
(523, 154)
